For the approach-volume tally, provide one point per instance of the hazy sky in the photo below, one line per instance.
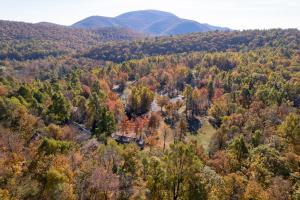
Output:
(236, 14)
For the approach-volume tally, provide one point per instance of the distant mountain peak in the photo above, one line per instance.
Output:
(147, 13)
(149, 22)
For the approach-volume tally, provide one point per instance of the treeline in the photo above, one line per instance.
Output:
(209, 42)
(25, 41)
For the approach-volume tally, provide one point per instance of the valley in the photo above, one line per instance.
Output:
(103, 110)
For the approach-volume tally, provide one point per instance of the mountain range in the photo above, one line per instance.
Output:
(148, 22)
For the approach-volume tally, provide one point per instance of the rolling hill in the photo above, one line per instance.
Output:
(150, 22)
(22, 41)
(10, 30)
(197, 42)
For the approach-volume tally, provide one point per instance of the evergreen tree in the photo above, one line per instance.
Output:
(60, 110)
(101, 120)
(210, 90)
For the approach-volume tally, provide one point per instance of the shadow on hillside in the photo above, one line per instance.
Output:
(194, 124)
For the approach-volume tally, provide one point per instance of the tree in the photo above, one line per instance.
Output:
(181, 130)
(220, 108)
(116, 106)
(196, 188)
(182, 168)
(266, 162)
(279, 189)
(155, 180)
(101, 120)
(210, 89)
(140, 99)
(59, 111)
(154, 121)
(196, 100)
(55, 132)
(177, 175)
(128, 170)
(239, 148)
(14, 114)
(4, 194)
(57, 178)
(256, 138)
(103, 183)
(200, 101)
(255, 192)
(51, 146)
(79, 113)
(26, 93)
(162, 101)
(233, 187)
(3, 90)
(165, 135)
(290, 129)
(74, 82)
(245, 97)
(58, 186)
(188, 99)
(172, 113)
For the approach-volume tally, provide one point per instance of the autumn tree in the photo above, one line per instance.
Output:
(233, 187)
(104, 184)
(290, 129)
(154, 121)
(162, 101)
(155, 181)
(15, 115)
(140, 99)
(245, 97)
(182, 167)
(254, 191)
(266, 162)
(188, 99)
(177, 175)
(238, 148)
(181, 130)
(279, 189)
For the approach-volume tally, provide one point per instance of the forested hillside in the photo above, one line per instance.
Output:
(199, 116)
(23, 41)
(210, 42)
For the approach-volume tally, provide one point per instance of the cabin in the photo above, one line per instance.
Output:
(116, 88)
(128, 138)
(177, 98)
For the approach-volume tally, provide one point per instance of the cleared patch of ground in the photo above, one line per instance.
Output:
(204, 135)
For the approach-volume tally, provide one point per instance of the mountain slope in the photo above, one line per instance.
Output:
(149, 22)
(10, 30)
(22, 41)
(196, 42)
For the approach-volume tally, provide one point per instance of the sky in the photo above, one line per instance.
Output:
(235, 14)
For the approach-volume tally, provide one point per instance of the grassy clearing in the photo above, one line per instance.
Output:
(205, 134)
(203, 137)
